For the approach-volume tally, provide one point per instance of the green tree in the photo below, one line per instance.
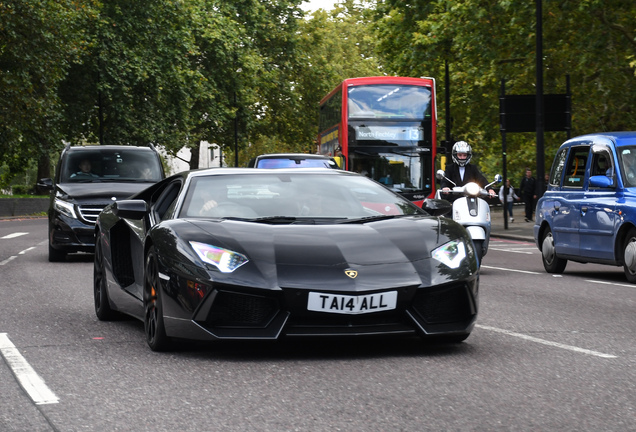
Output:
(330, 46)
(38, 40)
(136, 84)
(485, 41)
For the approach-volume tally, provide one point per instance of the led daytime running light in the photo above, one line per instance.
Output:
(224, 259)
(450, 254)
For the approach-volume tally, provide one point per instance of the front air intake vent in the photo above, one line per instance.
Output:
(241, 310)
(443, 305)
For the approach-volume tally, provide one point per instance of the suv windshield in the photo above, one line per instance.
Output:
(110, 165)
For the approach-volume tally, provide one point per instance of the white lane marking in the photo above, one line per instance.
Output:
(26, 250)
(611, 283)
(14, 235)
(511, 270)
(547, 342)
(512, 250)
(26, 375)
(11, 258)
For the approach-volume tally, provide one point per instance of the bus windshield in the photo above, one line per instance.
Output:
(389, 101)
(400, 171)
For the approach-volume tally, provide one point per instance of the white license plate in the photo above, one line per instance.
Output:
(344, 304)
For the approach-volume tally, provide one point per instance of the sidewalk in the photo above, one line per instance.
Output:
(517, 230)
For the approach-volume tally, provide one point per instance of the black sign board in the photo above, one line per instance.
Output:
(517, 113)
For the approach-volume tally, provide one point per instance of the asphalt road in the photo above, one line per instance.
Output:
(549, 353)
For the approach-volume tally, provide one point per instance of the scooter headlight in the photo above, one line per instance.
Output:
(473, 189)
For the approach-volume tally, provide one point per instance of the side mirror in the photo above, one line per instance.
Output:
(130, 209)
(45, 184)
(498, 178)
(437, 207)
(601, 181)
(439, 174)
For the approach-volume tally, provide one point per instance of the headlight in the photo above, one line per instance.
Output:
(450, 254)
(66, 208)
(224, 259)
(473, 189)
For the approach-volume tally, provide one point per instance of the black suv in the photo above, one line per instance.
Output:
(87, 179)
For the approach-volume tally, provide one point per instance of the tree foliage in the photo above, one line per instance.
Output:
(38, 41)
(248, 75)
(485, 41)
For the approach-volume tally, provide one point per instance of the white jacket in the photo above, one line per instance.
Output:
(511, 195)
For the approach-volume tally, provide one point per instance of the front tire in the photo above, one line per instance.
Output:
(153, 316)
(629, 256)
(100, 291)
(479, 249)
(551, 262)
(56, 255)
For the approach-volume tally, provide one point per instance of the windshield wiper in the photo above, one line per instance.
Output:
(369, 219)
(275, 219)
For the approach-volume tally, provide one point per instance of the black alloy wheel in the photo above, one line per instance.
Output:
(551, 262)
(100, 291)
(153, 317)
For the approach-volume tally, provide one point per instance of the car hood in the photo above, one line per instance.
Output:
(95, 191)
(390, 253)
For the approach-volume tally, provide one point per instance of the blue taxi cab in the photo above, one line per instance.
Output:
(588, 213)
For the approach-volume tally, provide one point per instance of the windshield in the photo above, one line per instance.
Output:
(295, 163)
(389, 101)
(627, 157)
(401, 171)
(104, 165)
(302, 196)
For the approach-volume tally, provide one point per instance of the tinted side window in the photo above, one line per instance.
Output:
(575, 167)
(166, 202)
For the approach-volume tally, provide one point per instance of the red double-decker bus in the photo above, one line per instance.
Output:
(385, 128)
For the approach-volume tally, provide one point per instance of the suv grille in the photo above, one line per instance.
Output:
(90, 212)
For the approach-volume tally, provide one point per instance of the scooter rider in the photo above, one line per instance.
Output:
(461, 171)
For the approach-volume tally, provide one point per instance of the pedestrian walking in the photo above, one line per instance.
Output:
(528, 193)
(507, 196)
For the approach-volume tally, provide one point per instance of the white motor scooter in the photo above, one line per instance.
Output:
(471, 211)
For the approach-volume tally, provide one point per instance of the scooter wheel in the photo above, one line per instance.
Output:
(479, 249)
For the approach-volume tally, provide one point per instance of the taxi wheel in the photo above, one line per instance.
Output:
(551, 262)
(629, 256)
(153, 317)
(100, 291)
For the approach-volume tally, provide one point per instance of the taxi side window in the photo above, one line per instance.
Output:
(575, 168)
(601, 164)
(557, 170)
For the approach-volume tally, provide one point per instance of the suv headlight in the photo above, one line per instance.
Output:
(451, 254)
(65, 208)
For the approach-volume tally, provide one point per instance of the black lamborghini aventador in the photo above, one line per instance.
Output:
(232, 253)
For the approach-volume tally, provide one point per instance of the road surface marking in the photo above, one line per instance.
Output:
(519, 251)
(26, 250)
(11, 258)
(27, 377)
(509, 269)
(14, 235)
(547, 342)
(611, 283)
